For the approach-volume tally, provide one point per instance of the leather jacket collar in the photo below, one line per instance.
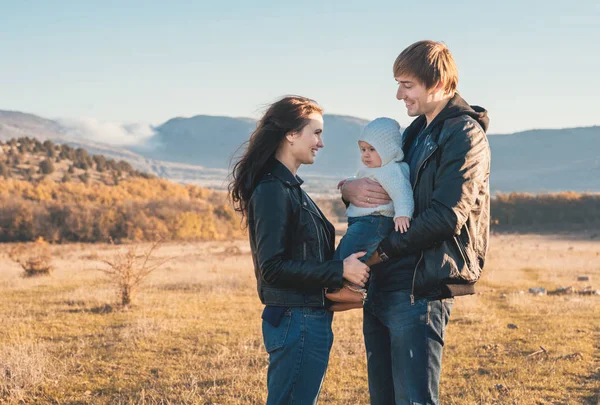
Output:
(279, 170)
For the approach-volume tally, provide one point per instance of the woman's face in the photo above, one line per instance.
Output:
(307, 142)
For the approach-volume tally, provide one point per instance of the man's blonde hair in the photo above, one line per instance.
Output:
(429, 62)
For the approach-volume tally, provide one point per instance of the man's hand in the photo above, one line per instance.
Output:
(401, 224)
(364, 193)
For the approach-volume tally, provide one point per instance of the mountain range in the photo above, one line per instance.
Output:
(199, 150)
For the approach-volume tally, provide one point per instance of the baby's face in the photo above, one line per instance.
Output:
(368, 155)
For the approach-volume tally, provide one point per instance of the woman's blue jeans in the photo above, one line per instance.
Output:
(298, 355)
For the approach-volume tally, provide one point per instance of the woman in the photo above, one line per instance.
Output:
(292, 245)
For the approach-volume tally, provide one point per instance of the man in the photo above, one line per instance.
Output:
(416, 274)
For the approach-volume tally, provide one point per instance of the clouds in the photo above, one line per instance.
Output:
(109, 132)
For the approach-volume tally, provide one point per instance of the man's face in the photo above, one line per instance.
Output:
(416, 97)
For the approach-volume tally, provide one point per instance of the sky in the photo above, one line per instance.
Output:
(531, 64)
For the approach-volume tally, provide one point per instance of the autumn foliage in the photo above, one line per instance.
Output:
(136, 209)
(567, 211)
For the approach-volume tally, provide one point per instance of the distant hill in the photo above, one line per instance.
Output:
(198, 150)
(32, 160)
(201, 140)
(547, 160)
(14, 124)
(528, 161)
(211, 141)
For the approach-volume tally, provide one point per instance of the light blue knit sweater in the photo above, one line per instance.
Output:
(394, 177)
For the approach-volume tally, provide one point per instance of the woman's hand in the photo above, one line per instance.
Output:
(356, 271)
(401, 224)
(364, 193)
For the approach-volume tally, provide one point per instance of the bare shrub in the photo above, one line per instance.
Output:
(35, 258)
(128, 269)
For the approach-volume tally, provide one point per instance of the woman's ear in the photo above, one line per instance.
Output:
(291, 137)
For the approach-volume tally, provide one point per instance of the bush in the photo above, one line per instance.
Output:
(50, 148)
(4, 170)
(128, 269)
(47, 166)
(30, 173)
(66, 152)
(34, 259)
(100, 162)
(81, 165)
(85, 178)
(124, 166)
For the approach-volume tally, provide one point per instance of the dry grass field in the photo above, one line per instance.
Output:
(192, 335)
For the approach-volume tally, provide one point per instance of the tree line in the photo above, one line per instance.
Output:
(137, 209)
(31, 159)
(564, 211)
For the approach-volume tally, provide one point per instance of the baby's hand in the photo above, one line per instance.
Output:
(402, 224)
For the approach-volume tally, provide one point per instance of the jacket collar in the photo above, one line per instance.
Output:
(455, 107)
(278, 169)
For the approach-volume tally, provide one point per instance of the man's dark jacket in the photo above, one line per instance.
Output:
(450, 229)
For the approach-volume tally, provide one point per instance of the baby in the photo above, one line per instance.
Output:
(380, 146)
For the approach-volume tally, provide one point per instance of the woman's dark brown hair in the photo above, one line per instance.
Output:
(290, 114)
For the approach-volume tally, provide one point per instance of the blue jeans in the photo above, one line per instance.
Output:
(404, 345)
(364, 234)
(298, 355)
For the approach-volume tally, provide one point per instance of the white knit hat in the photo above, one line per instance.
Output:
(384, 135)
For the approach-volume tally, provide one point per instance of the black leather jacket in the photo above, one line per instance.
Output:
(450, 229)
(292, 242)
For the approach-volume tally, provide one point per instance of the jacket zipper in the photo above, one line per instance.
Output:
(318, 237)
(315, 212)
(320, 252)
(421, 166)
(320, 249)
(304, 247)
(412, 291)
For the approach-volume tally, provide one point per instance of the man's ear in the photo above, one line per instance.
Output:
(437, 87)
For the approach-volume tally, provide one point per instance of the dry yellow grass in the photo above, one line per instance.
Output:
(193, 335)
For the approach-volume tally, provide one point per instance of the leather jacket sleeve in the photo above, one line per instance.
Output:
(272, 211)
(463, 169)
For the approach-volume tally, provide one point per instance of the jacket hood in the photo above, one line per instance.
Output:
(456, 107)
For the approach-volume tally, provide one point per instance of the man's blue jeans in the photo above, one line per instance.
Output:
(404, 345)
(363, 234)
(298, 355)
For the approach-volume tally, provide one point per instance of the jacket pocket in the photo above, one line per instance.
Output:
(274, 337)
(463, 251)
(470, 271)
